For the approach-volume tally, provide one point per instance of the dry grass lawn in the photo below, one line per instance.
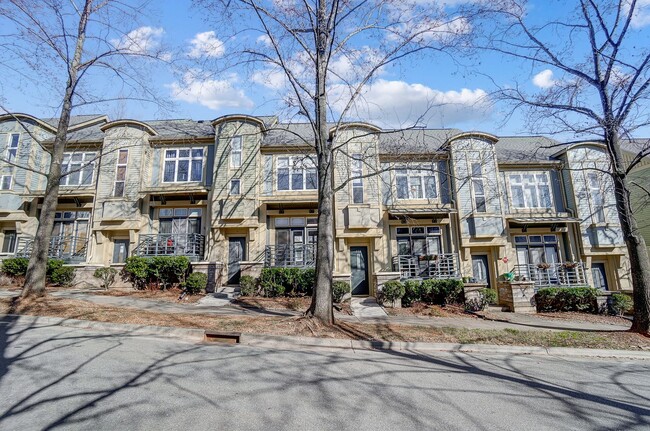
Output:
(169, 295)
(76, 309)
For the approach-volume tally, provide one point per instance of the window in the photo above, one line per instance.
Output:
(416, 184)
(235, 186)
(181, 221)
(183, 165)
(235, 151)
(9, 244)
(530, 190)
(356, 170)
(7, 181)
(77, 169)
(296, 173)
(120, 173)
(597, 197)
(70, 232)
(12, 147)
(478, 188)
(419, 241)
(537, 249)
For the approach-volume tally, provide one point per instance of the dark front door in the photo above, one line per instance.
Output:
(359, 270)
(236, 253)
(120, 250)
(480, 268)
(598, 274)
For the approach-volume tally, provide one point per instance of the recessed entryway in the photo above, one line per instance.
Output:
(359, 270)
(236, 253)
(480, 268)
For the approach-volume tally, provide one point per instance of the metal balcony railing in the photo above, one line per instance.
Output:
(191, 245)
(303, 255)
(437, 266)
(567, 274)
(70, 249)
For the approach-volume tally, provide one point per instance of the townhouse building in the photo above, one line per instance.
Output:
(240, 192)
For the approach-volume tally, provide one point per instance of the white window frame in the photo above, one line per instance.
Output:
(356, 170)
(119, 165)
(596, 195)
(298, 167)
(232, 183)
(177, 159)
(416, 181)
(478, 187)
(78, 168)
(11, 182)
(12, 147)
(236, 151)
(530, 191)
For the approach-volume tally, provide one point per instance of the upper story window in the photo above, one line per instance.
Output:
(296, 173)
(416, 184)
(183, 165)
(597, 197)
(7, 182)
(77, 169)
(530, 190)
(478, 188)
(235, 152)
(419, 240)
(356, 171)
(120, 173)
(235, 187)
(12, 147)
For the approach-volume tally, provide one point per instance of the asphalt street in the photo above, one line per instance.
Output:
(65, 378)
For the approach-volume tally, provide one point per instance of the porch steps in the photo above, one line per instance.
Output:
(223, 295)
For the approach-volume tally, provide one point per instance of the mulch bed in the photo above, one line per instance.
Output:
(168, 295)
(422, 309)
(292, 303)
(585, 317)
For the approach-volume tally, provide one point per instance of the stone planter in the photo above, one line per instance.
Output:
(251, 268)
(518, 296)
(471, 291)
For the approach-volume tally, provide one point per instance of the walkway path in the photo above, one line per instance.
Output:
(515, 321)
(367, 307)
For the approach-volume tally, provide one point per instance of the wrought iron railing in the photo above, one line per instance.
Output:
(191, 245)
(568, 274)
(437, 266)
(290, 255)
(70, 249)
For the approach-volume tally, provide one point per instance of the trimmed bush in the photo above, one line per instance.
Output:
(136, 271)
(412, 292)
(582, 299)
(621, 303)
(15, 267)
(62, 275)
(195, 283)
(247, 285)
(294, 281)
(161, 270)
(391, 291)
(106, 275)
(339, 290)
(490, 295)
(440, 292)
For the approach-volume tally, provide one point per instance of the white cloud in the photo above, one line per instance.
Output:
(206, 44)
(399, 103)
(198, 87)
(142, 40)
(544, 79)
(641, 15)
(264, 40)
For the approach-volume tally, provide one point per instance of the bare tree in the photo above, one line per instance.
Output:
(86, 47)
(305, 44)
(597, 83)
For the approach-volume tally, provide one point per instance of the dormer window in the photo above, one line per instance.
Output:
(416, 184)
(183, 165)
(78, 169)
(530, 190)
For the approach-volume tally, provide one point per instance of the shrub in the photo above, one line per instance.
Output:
(15, 267)
(62, 275)
(412, 292)
(391, 291)
(195, 283)
(490, 295)
(136, 271)
(106, 275)
(247, 285)
(272, 290)
(581, 299)
(294, 281)
(621, 303)
(307, 281)
(339, 290)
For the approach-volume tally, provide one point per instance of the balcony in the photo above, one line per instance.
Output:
(69, 249)
(568, 274)
(299, 256)
(191, 245)
(438, 266)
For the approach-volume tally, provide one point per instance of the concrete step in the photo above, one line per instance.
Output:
(497, 308)
(228, 289)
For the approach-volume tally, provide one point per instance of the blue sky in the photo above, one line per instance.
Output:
(457, 93)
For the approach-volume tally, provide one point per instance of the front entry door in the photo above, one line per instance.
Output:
(480, 268)
(599, 276)
(359, 270)
(236, 253)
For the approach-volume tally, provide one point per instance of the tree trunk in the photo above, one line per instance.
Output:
(321, 302)
(636, 246)
(36, 270)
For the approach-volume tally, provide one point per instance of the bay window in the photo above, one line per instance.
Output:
(183, 165)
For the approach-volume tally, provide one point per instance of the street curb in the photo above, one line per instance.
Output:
(293, 342)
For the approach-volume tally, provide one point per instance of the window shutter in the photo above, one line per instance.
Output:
(267, 188)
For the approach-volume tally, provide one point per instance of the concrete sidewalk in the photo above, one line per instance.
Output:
(522, 322)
